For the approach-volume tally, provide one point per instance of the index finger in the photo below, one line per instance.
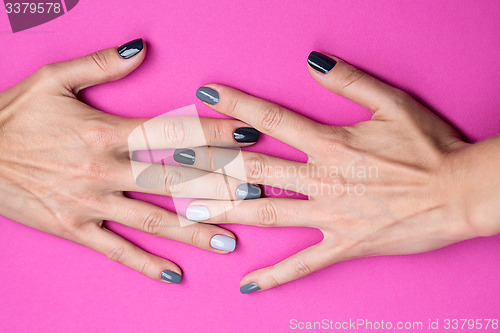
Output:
(269, 118)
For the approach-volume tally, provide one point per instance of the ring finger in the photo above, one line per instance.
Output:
(248, 166)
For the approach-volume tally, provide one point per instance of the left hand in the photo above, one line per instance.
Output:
(382, 187)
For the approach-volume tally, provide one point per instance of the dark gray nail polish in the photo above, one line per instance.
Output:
(249, 288)
(185, 156)
(248, 191)
(130, 49)
(208, 95)
(246, 134)
(171, 277)
(320, 62)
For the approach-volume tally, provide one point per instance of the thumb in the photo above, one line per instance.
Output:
(350, 82)
(101, 66)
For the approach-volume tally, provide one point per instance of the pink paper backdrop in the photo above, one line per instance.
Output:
(443, 52)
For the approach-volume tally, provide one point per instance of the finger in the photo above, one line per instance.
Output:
(101, 66)
(118, 249)
(297, 266)
(181, 182)
(159, 222)
(346, 80)
(267, 212)
(181, 132)
(249, 167)
(267, 117)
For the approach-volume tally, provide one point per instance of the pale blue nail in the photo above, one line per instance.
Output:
(223, 243)
(197, 213)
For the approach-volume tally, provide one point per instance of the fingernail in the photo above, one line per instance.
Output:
(248, 191)
(170, 276)
(321, 62)
(207, 95)
(197, 213)
(249, 288)
(223, 243)
(246, 134)
(185, 156)
(130, 49)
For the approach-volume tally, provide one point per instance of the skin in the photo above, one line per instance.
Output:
(428, 188)
(64, 165)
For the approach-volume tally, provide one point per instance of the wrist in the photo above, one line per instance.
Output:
(473, 186)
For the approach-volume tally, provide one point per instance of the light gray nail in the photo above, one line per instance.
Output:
(249, 288)
(197, 213)
(208, 95)
(223, 243)
(248, 191)
(171, 277)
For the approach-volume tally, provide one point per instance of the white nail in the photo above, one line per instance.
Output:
(223, 243)
(197, 213)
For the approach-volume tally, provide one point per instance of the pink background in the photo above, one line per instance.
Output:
(443, 52)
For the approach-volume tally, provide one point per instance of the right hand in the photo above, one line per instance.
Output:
(64, 165)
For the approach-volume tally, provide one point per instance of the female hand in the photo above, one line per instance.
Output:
(403, 182)
(64, 165)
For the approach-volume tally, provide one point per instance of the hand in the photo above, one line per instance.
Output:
(64, 165)
(403, 182)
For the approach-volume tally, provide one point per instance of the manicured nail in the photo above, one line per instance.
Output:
(249, 288)
(170, 276)
(185, 156)
(321, 62)
(130, 49)
(197, 213)
(246, 134)
(248, 191)
(223, 243)
(208, 95)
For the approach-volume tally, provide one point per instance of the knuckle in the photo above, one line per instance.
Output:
(267, 214)
(116, 253)
(101, 60)
(217, 134)
(352, 75)
(146, 266)
(335, 146)
(273, 281)
(99, 135)
(45, 75)
(302, 268)
(257, 168)
(233, 106)
(152, 223)
(272, 117)
(67, 226)
(221, 189)
(195, 237)
(173, 181)
(46, 71)
(175, 132)
(94, 171)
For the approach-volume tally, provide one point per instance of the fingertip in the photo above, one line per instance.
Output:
(132, 49)
(249, 288)
(171, 275)
(208, 95)
(321, 63)
(223, 243)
